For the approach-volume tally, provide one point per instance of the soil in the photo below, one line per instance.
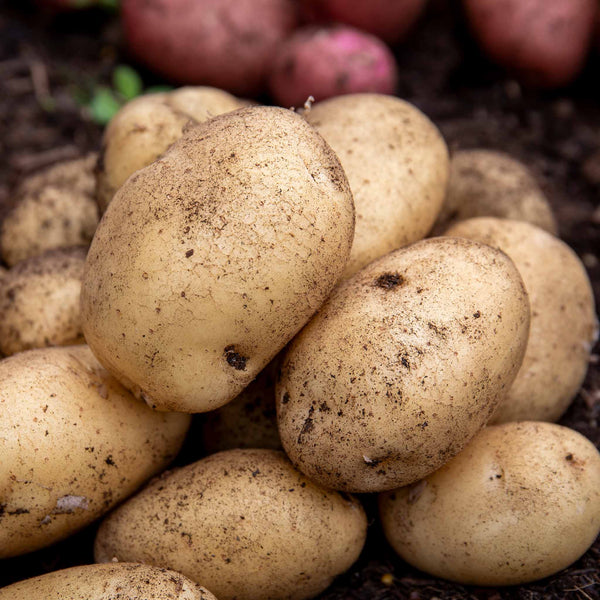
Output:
(47, 64)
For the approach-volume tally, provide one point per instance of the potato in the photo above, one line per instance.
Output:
(403, 365)
(123, 581)
(243, 522)
(519, 503)
(74, 444)
(389, 21)
(486, 183)
(39, 301)
(323, 62)
(145, 127)
(54, 209)
(228, 44)
(564, 326)
(543, 42)
(397, 165)
(208, 261)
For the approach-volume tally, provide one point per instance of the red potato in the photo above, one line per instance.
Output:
(227, 44)
(543, 42)
(389, 21)
(330, 61)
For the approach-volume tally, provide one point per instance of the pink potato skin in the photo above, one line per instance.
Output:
(330, 61)
(543, 42)
(227, 44)
(389, 20)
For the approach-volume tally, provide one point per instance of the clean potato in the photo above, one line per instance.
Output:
(403, 365)
(39, 301)
(563, 328)
(122, 581)
(519, 503)
(397, 165)
(245, 523)
(209, 261)
(74, 443)
(145, 127)
(487, 183)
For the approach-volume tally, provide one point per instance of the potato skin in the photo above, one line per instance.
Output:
(564, 326)
(402, 366)
(39, 301)
(244, 522)
(122, 581)
(397, 164)
(209, 261)
(74, 444)
(519, 503)
(486, 183)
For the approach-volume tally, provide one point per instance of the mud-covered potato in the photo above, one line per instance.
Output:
(397, 164)
(74, 444)
(519, 503)
(245, 523)
(123, 581)
(564, 326)
(39, 301)
(210, 260)
(486, 183)
(403, 365)
(53, 209)
(145, 127)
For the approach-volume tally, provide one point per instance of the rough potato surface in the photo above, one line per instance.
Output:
(209, 261)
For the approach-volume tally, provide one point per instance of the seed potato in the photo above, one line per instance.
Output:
(39, 301)
(563, 328)
(397, 164)
(209, 261)
(519, 503)
(403, 365)
(243, 522)
(122, 581)
(73, 443)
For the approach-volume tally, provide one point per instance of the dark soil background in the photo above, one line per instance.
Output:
(47, 64)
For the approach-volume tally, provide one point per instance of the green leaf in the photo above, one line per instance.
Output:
(103, 106)
(127, 82)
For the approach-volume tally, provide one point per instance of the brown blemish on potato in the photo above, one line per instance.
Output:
(389, 281)
(234, 359)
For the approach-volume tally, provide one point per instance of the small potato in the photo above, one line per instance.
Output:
(39, 301)
(397, 164)
(74, 443)
(324, 62)
(245, 523)
(122, 581)
(563, 328)
(403, 365)
(486, 183)
(519, 503)
(543, 42)
(54, 209)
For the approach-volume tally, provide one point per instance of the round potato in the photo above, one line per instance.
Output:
(39, 301)
(74, 444)
(519, 503)
(243, 522)
(123, 581)
(403, 365)
(486, 183)
(563, 328)
(209, 261)
(397, 165)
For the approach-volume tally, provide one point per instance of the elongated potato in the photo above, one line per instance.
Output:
(74, 444)
(210, 260)
(403, 365)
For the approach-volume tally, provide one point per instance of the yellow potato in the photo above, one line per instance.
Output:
(519, 503)
(245, 523)
(403, 365)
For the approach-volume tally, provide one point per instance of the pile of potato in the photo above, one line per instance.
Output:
(271, 268)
